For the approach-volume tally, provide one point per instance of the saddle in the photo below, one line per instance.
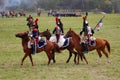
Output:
(34, 44)
(39, 43)
(92, 41)
(85, 43)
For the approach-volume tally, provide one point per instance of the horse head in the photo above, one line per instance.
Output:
(71, 33)
(68, 34)
(22, 34)
(46, 34)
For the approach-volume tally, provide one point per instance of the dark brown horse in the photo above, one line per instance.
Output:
(70, 47)
(47, 48)
(100, 44)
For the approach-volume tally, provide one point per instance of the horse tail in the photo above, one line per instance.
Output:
(108, 45)
(56, 47)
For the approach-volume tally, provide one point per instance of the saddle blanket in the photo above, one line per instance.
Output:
(41, 44)
(66, 43)
(92, 43)
(62, 41)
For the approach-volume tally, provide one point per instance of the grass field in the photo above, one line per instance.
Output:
(11, 51)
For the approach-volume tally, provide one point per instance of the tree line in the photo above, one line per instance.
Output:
(108, 6)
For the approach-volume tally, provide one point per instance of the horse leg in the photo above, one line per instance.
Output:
(70, 55)
(75, 55)
(106, 54)
(84, 58)
(81, 57)
(78, 58)
(25, 55)
(53, 52)
(31, 59)
(100, 55)
(50, 56)
(49, 59)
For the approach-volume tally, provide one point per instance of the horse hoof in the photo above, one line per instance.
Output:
(54, 61)
(75, 62)
(67, 61)
(33, 65)
(48, 63)
(109, 62)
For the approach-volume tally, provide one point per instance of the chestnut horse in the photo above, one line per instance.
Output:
(47, 48)
(70, 47)
(100, 44)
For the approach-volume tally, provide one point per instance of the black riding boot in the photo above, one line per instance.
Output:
(85, 47)
(33, 48)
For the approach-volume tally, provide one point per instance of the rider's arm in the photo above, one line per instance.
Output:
(92, 31)
(54, 30)
(82, 31)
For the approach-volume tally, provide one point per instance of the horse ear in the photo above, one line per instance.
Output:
(70, 29)
(48, 30)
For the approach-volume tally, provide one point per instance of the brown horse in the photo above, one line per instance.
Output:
(100, 44)
(70, 47)
(47, 48)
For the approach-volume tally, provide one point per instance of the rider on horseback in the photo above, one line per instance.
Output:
(88, 32)
(35, 38)
(59, 23)
(35, 33)
(57, 32)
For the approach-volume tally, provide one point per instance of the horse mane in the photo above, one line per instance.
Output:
(78, 37)
(49, 32)
(46, 34)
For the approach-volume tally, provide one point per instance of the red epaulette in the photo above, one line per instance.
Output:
(34, 30)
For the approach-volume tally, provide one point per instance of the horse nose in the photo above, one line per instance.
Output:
(16, 35)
